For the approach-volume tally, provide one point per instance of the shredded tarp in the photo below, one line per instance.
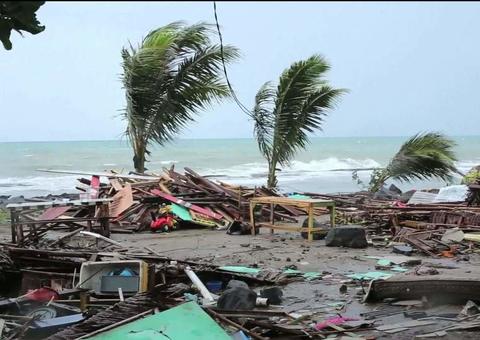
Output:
(384, 263)
(370, 276)
(255, 271)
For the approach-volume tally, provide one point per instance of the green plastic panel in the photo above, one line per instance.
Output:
(184, 322)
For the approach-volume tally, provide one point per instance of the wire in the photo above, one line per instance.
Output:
(234, 95)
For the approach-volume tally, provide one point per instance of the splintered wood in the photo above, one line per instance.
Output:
(135, 198)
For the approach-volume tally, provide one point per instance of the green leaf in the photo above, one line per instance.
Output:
(19, 16)
(285, 116)
(173, 75)
(423, 156)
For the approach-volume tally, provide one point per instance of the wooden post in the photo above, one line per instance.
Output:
(252, 217)
(332, 216)
(240, 202)
(310, 223)
(84, 301)
(33, 231)
(13, 223)
(19, 233)
(272, 219)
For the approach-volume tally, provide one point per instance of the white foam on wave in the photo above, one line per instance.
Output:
(297, 169)
(163, 162)
(254, 173)
(466, 165)
(37, 185)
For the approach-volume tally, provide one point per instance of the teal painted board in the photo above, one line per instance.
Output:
(181, 212)
(370, 276)
(240, 269)
(184, 322)
(299, 197)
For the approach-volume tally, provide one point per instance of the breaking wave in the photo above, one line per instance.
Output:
(314, 168)
(329, 171)
(37, 185)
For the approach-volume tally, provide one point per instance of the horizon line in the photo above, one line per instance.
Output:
(205, 138)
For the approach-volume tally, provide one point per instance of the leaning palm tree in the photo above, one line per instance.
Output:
(284, 115)
(424, 156)
(174, 73)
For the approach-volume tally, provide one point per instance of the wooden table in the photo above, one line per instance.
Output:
(20, 217)
(308, 204)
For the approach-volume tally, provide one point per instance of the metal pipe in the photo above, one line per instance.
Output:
(199, 284)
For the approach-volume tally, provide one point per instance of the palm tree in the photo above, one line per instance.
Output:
(423, 156)
(285, 115)
(174, 73)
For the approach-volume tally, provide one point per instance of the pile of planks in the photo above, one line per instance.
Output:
(199, 200)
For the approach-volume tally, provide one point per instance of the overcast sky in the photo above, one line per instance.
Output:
(409, 66)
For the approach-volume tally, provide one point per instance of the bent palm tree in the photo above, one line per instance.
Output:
(286, 114)
(174, 73)
(423, 156)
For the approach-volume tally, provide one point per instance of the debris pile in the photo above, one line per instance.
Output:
(134, 203)
(100, 287)
(137, 200)
(435, 228)
(78, 282)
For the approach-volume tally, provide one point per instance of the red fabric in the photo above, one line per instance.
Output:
(43, 294)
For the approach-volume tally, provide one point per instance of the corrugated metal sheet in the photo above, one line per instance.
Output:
(422, 197)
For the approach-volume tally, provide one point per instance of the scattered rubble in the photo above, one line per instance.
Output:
(67, 278)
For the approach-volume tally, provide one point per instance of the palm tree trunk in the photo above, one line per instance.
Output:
(139, 157)
(272, 178)
(139, 162)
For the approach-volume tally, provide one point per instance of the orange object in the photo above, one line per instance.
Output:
(447, 253)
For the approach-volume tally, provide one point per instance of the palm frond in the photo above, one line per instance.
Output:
(310, 118)
(285, 116)
(264, 119)
(300, 105)
(174, 73)
(192, 88)
(423, 156)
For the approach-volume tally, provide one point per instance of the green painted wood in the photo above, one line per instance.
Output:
(181, 212)
(184, 322)
(240, 269)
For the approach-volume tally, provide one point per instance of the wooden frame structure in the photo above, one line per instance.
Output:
(308, 205)
(21, 216)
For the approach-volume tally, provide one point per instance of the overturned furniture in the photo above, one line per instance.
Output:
(309, 205)
(26, 216)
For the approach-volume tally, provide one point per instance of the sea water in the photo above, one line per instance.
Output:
(325, 166)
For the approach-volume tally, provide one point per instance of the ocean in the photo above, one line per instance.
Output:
(325, 166)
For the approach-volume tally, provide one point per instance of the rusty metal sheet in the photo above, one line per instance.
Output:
(53, 213)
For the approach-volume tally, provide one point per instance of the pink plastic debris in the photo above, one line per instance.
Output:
(337, 320)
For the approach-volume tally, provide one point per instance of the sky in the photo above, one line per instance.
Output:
(409, 67)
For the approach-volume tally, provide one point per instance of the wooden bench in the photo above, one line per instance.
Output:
(308, 205)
